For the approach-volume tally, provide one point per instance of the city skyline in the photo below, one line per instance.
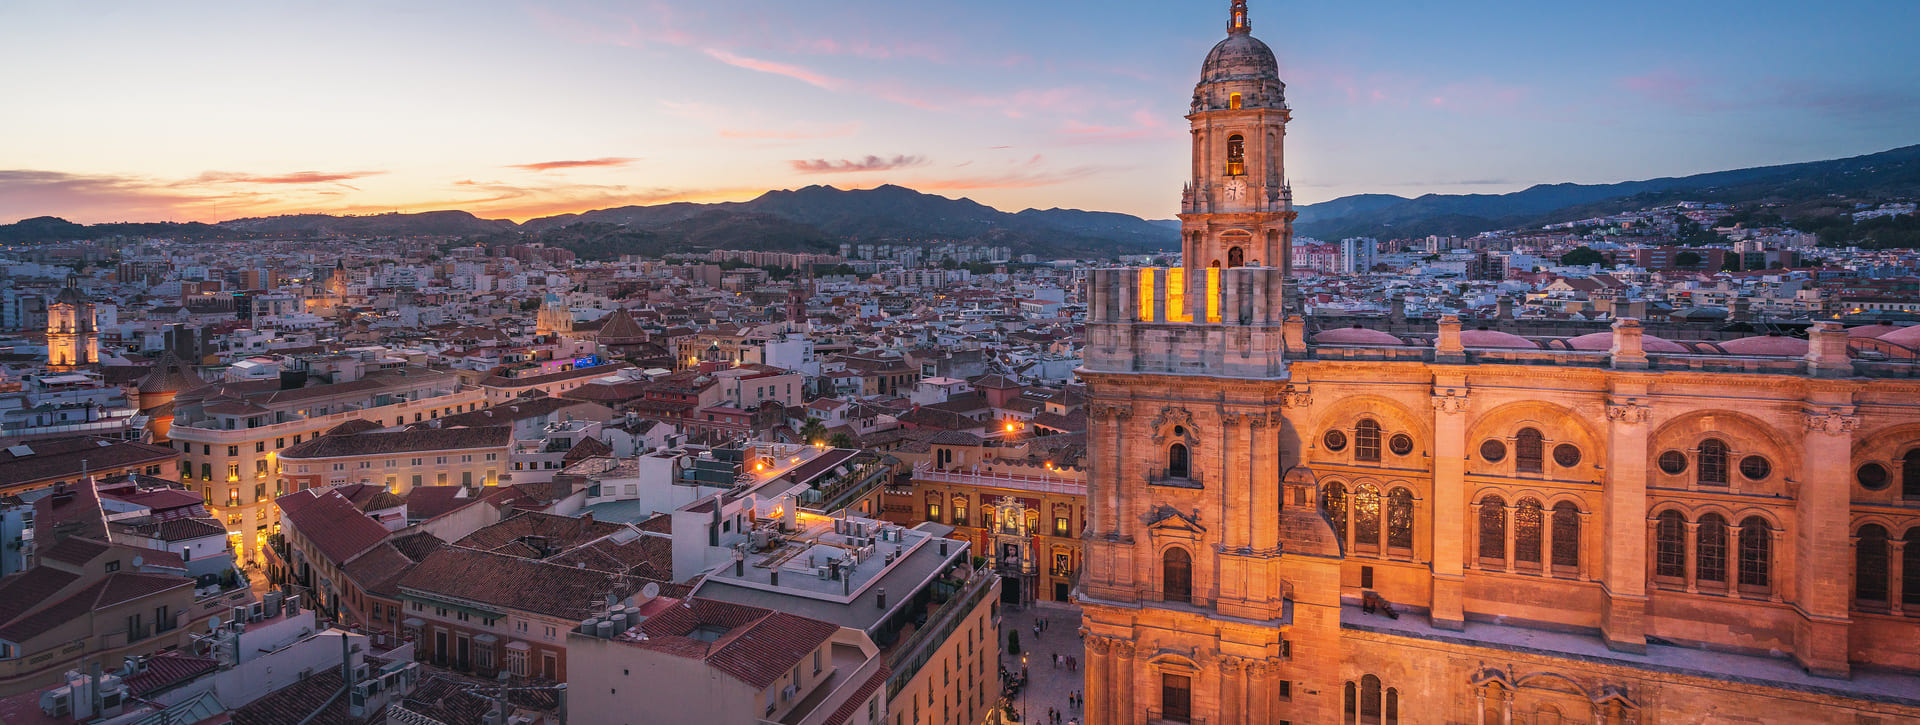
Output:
(198, 113)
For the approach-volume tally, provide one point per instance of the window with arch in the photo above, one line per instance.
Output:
(1177, 461)
(1236, 155)
(1233, 102)
(1236, 257)
(1910, 474)
(1712, 469)
(1756, 553)
(1710, 549)
(1670, 545)
(1366, 441)
(1493, 530)
(1528, 451)
(1333, 503)
(959, 511)
(1566, 535)
(1366, 518)
(1910, 562)
(1527, 521)
(1176, 576)
(1400, 519)
(1870, 565)
(1369, 703)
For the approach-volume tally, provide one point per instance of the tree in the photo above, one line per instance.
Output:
(1013, 643)
(1582, 255)
(530, 304)
(842, 440)
(1687, 259)
(813, 431)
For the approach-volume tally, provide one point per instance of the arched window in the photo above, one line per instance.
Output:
(1366, 441)
(1236, 257)
(1910, 474)
(1713, 462)
(1233, 101)
(1670, 545)
(1528, 450)
(1566, 535)
(1333, 502)
(1400, 519)
(1176, 576)
(1756, 553)
(1710, 550)
(1870, 565)
(1236, 155)
(1366, 518)
(1527, 521)
(1369, 699)
(1910, 561)
(1493, 529)
(1393, 707)
(1177, 460)
(1352, 701)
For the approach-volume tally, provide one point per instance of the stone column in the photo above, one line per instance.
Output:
(1623, 563)
(1124, 711)
(1450, 519)
(1231, 693)
(1480, 706)
(1260, 683)
(1263, 528)
(1896, 574)
(1546, 541)
(1099, 679)
(1821, 509)
(1692, 569)
(1237, 478)
(1512, 518)
(1587, 534)
(1773, 558)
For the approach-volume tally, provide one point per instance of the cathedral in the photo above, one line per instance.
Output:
(73, 343)
(1288, 524)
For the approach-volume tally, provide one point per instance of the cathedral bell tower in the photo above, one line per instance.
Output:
(1211, 592)
(72, 340)
(1237, 210)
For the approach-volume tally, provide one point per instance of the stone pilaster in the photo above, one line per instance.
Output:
(1624, 563)
(1099, 680)
(1125, 673)
(1450, 522)
(1823, 588)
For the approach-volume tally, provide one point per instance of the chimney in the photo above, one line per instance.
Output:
(1506, 308)
(1293, 333)
(1740, 309)
(880, 600)
(1447, 347)
(1827, 355)
(774, 577)
(943, 547)
(1399, 313)
(1629, 349)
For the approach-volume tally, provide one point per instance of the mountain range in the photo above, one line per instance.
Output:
(819, 218)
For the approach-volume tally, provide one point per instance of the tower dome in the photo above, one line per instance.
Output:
(1241, 57)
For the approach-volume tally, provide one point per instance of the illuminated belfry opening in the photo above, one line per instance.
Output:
(1236, 155)
(1239, 22)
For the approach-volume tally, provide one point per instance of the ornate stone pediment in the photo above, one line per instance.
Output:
(1167, 519)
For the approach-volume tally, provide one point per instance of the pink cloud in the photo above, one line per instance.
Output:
(843, 166)
(297, 177)
(584, 163)
(809, 77)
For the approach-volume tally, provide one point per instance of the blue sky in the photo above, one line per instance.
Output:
(206, 110)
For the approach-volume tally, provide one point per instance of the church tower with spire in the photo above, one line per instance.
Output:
(1237, 210)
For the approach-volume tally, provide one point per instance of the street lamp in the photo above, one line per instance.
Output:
(1023, 687)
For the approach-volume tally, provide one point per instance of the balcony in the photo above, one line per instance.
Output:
(1017, 482)
(1158, 716)
(1186, 479)
(906, 657)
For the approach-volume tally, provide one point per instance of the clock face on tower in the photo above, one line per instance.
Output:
(1237, 190)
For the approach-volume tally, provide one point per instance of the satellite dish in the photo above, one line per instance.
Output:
(213, 623)
(650, 591)
(138, 561)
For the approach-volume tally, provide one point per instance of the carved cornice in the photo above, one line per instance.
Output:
(1097, 644)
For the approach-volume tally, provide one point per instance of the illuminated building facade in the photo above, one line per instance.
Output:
(1288, 525)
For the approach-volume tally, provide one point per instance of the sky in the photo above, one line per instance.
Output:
(188, 110)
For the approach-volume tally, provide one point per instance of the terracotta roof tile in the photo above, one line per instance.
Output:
(338, 529)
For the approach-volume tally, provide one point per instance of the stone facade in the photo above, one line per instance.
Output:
(1480, 528)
